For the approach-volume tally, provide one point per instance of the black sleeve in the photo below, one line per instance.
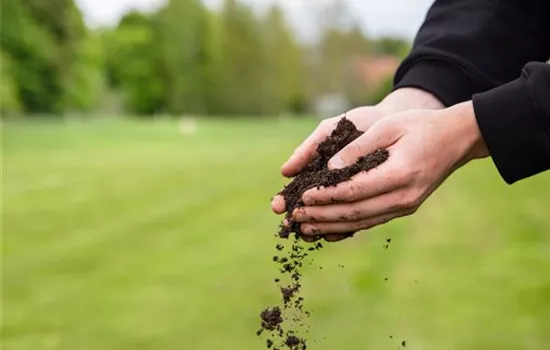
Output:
(470, 46)
(465, 48)
(514, 120)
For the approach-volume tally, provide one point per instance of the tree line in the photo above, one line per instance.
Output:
(184, 58)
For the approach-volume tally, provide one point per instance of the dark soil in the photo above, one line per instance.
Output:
(286, 323)
(293, 341)
(271, 318)
(317, 174)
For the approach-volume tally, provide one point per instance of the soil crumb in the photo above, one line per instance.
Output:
(295, 343)
(271, 318)
(286, 324)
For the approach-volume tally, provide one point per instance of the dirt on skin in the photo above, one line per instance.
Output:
(286, 323)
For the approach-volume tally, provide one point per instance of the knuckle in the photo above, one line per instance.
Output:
(301, 213)
(383, 125)
(401, 176)
(307, 229)
(411, 211)
(411, 201)
(401, 171)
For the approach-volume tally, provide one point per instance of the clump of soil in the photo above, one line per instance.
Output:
(317, 174)
(271, 318)
(289, 334)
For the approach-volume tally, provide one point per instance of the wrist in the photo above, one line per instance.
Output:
(464, 117)
(409, 98)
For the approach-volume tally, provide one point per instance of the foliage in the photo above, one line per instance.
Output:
(132, 64)
(9, 96)
(183, 58)
(381, 91)
(391, 46)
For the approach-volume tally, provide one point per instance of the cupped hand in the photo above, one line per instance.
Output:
(363, 118)
(425, 148)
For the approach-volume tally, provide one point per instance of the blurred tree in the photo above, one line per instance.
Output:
(237, 61)
(133, 65)
(381, 91)
(183, 33)
(9, 96)
(183, 58)
(282, 87)
(338, 50)
(391, 46)
(45, 40)
(33, 52)
(87, 77)
(63, 20)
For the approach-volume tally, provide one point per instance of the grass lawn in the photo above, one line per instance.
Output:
(126, 235)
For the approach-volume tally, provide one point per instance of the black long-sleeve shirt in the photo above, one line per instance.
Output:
(491, 52)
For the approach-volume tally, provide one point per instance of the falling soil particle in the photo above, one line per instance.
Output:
(271, 318)
(293, 342)
(288, 292)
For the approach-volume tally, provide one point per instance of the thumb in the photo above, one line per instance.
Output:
(380, 135)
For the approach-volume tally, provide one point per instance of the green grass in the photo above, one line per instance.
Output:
(128, 235)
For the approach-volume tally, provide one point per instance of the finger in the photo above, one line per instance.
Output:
(307, 151)
(328, 228)
(355, 211)
(305, 238)
(278, 204)
(310, 239)
(337, 238)
(385, 178)
(381, 135)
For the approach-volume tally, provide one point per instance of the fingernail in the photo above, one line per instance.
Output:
(336, 163)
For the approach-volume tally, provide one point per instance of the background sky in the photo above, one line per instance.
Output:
(378, 17)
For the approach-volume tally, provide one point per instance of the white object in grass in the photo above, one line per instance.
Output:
(188, 126)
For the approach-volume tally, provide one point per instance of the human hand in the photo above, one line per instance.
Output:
(363, 118)
(425, 148)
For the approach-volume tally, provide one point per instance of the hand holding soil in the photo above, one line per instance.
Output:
(425, 148)
(363, 118)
